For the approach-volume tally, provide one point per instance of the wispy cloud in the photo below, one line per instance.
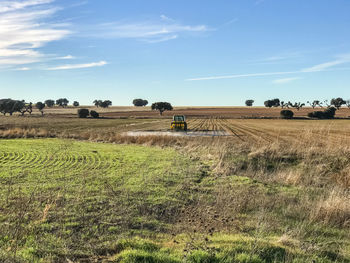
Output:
(285, 80)
(24, 30)
(9, 6)
(163, 29)
(165, 18)
(342, 59)
(79, 66)
(66, 57)
(327, 66)
(286, 57)
(243, 75)
(23, 69)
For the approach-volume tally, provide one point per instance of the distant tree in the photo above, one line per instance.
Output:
(315, 103)
(50, 103)
(348, 103)
(249, 103)
(272, 103)
(338, 102)
(40, 106)
(106, 104)
(28, 107)
(296, 105)
(94, 114)
(140, 102)
(10, 106)
(161, 107)
(287, 114)
(62, 102)
(97, 103)
(76, 104)
(83, 113)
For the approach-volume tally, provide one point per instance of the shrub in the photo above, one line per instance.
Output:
(94, 114)
(326, 114)
(83, 113)
(330, 113)
(287, 114)
(316, 114)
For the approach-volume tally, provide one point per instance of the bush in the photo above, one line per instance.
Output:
(287, 114)
(326, 114)
(316, 114)
(330, 113)
(83, 113)
(94, 114)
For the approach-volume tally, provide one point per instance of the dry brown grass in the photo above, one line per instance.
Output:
(24, 133)
(333, 208)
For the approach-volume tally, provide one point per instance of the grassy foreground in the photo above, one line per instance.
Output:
(71, 201)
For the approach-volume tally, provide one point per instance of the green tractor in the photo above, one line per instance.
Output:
(179, 123)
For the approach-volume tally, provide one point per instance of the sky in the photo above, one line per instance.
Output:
(187, 52)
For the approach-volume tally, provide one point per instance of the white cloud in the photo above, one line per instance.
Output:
(23, 31)
(148, 31)
(79, 66)
(285, 80)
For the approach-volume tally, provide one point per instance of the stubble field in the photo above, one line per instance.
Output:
(256, 190)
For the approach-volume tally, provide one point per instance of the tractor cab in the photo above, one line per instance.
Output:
(179, 123)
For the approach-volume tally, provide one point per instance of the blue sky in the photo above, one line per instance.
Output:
(187, 52)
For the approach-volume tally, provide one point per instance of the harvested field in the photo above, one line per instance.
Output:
(240, 130)
(194, 112)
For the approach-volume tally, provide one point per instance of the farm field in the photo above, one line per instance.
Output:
(196, 112)
(243, 130)
(259, 190)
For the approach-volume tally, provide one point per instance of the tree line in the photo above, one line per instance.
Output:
(330, 107)
(10, 106)
(335, 102)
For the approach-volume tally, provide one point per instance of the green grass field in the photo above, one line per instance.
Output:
(66, 200)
